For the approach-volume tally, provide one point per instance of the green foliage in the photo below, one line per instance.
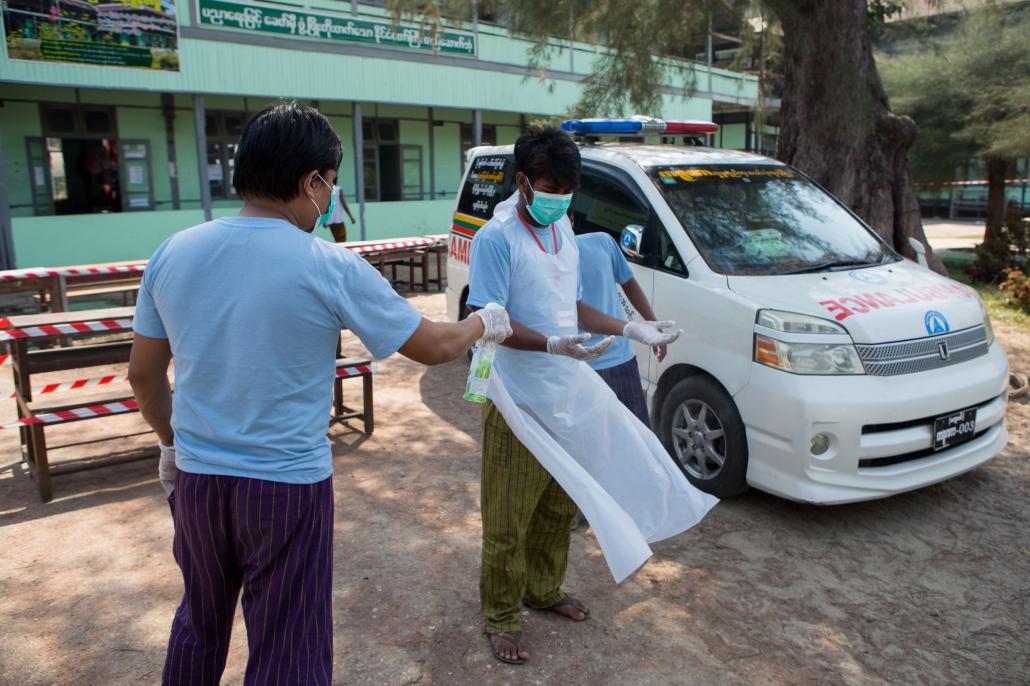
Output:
(968, 92)
(999, 303)
(1017, 287)
(1002, 250)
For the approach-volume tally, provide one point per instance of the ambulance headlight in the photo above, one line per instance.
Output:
(807, 358)
(988, 329)
(795, 322)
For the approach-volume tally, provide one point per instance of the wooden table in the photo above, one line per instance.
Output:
(25, 362)
(53, 281)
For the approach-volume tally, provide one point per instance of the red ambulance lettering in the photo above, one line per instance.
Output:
(885, 299)
(839, 312)
(857, 305)
(869, 301)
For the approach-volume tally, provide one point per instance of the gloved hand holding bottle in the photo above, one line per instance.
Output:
(496, 325)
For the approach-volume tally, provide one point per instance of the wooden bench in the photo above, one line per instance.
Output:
(127, 289)
(347, 368)
(26, 363)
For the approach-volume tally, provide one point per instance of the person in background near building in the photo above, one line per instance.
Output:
(250, 308)
(602, 270)
(526, 259)
(335, 224)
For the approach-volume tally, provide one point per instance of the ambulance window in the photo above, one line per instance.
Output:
(668, 256)
(489, 181)
(603, 203)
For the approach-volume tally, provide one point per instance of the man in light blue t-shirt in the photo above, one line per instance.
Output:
(602, 270)
(251, 308)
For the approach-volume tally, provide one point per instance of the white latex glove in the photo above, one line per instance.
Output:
(650, 333)
(166, 469)
(496, 325)
(572, 346)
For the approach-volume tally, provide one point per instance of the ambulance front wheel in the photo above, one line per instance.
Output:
(703, 432)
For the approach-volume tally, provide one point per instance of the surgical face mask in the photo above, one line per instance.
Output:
(324, 218)
(547, 208)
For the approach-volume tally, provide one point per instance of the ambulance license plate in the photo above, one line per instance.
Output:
(952, 429)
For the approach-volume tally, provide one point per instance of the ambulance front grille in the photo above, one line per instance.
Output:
(923, 354)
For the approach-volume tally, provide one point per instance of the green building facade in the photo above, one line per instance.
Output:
(101, 162)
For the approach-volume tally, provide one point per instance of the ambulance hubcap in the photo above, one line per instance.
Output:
(699, 439)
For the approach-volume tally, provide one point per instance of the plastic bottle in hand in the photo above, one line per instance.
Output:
(482, 363)
(479, 372)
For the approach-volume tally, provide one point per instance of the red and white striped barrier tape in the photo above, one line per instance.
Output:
(77, 384)
(5, 361)
(72, 272)
(68, 415)
(69, 328)
(397, 245)
(42, 272)
(355, 370)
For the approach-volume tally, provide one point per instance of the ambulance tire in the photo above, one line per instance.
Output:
(691, 393)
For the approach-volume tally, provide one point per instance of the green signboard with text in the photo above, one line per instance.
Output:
(143, 34)
(329, 26)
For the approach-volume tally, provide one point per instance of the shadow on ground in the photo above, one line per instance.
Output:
(926, 587)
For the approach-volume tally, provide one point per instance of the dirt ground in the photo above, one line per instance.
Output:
(930, 587)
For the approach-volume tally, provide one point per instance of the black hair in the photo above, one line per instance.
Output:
(547, 152)
(279, 146)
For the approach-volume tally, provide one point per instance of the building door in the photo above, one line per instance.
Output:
(137, 185)
(39, 173)
(74, 175)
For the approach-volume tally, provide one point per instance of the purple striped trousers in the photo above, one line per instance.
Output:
(275, 542)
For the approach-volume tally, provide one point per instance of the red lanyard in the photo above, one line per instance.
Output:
(537, 238)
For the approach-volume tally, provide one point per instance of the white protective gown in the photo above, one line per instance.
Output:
(608, 462)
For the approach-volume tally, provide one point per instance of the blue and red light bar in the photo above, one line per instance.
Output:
(640, 126)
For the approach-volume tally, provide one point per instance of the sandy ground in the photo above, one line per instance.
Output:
(948, 234)
(930, 587)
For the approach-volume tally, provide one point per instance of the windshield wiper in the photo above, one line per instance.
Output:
(833, 266)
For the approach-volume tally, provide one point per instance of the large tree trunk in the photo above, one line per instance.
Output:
(996, 168)
(835, 120)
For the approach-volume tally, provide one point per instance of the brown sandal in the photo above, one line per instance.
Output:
(567, 601)
(514, 638)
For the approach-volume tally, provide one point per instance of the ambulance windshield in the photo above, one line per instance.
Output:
(764, 220)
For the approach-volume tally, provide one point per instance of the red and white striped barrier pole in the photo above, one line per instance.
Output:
(69, 415)
(398, 245)
(70, 272)
(77, 384)
(5, 360)
(355, 370)
(69, 328)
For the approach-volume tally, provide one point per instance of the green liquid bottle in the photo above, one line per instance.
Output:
(479, 372)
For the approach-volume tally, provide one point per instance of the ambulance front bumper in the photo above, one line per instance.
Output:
(880, 429)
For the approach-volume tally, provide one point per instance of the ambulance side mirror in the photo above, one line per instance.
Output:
(631, 239)
(920, 251)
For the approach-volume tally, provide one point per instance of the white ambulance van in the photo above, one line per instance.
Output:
(816, 363)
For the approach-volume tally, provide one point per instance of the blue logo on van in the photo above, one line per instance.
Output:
(936, 323)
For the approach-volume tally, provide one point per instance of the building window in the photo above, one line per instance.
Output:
(79, 166)
(223, 135)
(489, 137)
(391, 171)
